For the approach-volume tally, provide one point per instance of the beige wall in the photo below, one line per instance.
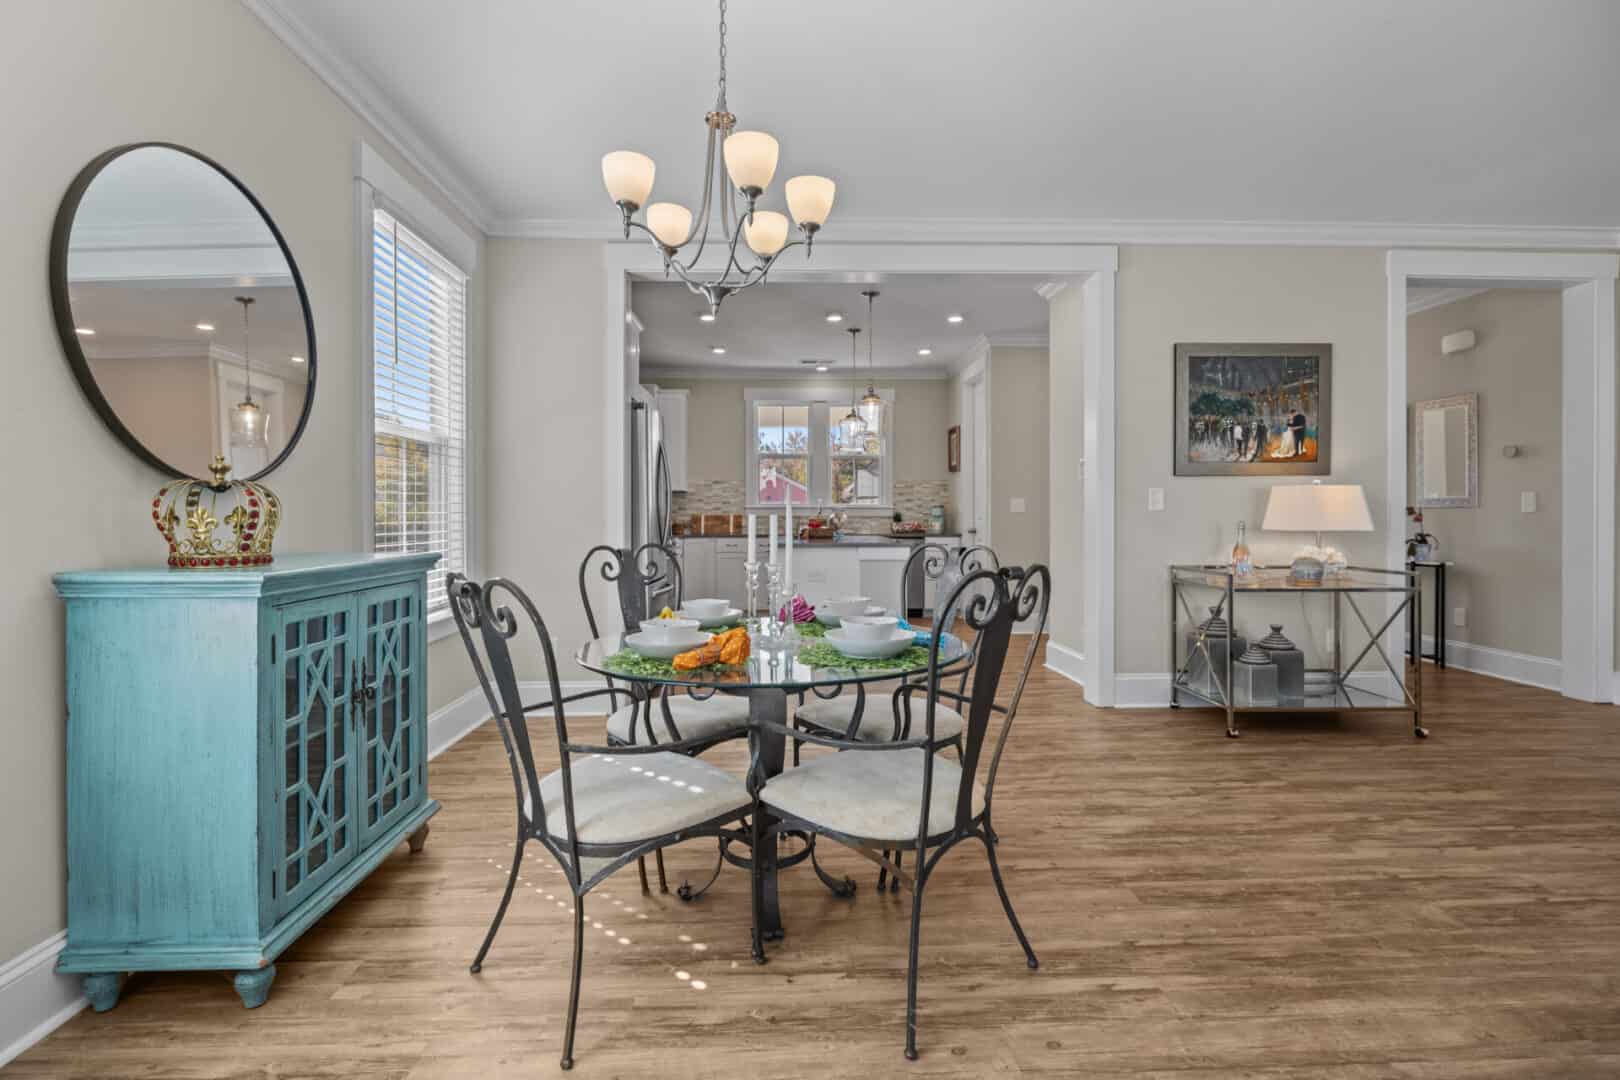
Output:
(1019, 452)
(1066, 437)
(1508, 563)
(1168, 295)
(167, 401)
(114, 73)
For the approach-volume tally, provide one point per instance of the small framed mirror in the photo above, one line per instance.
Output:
(1445, 440)
(182, 312)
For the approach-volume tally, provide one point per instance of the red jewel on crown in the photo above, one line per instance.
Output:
(217, 524)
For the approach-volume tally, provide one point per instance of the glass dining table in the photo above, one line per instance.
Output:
(771, 680)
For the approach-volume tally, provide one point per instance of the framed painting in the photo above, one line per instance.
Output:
(1253, 410)
(953, 448)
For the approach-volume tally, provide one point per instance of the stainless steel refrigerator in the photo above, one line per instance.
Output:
(651, 495)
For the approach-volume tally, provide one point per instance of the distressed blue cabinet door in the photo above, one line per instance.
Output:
(393, 725)
(313, 827)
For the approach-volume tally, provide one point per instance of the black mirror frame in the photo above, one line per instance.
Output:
(62, 231)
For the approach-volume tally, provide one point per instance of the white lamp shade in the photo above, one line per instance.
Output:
(766, 233)
(1317, 508)
(628, 176)
(670, 222)
(751, 159)
(810, 199)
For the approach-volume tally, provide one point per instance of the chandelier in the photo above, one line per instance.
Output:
(852, 429)
(871, 410)
(749, 164)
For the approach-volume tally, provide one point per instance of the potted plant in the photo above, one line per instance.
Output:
(1420, 546)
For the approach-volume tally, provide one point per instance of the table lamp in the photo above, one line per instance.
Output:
(1317, 508)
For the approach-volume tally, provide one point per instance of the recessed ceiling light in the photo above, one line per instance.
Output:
(954, 318)
(821, 367)
(925, 352)
(206, 327)
(835, 316)
(296, 359)
(84, 331)
(718, 350)
(706, 316)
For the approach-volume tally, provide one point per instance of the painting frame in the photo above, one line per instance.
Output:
(953, 448)
(1318, 355)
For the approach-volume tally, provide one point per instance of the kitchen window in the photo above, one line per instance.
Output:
(793, 453)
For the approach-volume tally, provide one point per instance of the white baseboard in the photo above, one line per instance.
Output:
(34, 999)
(1502, 664)
(1151, 690)
(1066, 662)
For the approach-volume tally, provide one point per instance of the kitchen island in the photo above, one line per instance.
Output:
(855, 565)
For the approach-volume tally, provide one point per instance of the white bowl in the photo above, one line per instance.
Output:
(707, 608)
(869, 627)
(729, 615)
(882, 648)
(662, 629)
(827, 618)
(667, 648)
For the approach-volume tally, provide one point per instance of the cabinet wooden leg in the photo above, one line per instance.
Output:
(102, 988)
(254, 986)
(418, 838)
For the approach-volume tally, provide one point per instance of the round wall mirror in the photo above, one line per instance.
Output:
(182, 312)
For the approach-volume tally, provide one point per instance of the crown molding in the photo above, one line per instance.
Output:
(364, 97)
(1103, 231)
(1017, 341)
(654, 372)
(1440, 298)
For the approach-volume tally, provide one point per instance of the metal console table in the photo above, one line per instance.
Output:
(1326, 689)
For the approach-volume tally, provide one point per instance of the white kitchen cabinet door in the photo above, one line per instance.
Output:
(826, 573)
(881, 572)
(729, 556)
(672, 413)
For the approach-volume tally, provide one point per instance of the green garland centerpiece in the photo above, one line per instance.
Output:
(822, 655)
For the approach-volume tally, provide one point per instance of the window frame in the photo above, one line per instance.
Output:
(379, 186)
(817, 398)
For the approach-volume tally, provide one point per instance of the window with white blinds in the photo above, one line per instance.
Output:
(419, 401)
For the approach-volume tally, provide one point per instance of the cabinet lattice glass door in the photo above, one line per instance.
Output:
(391, 727)
(315, 827)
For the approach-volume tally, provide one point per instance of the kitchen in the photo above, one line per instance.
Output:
(854, 402)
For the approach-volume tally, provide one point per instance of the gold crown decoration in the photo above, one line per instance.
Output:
(252, 519)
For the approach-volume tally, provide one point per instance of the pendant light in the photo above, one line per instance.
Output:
(871, 407)
(851, 429)
(248, 418)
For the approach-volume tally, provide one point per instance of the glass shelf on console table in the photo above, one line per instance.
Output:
(1205, 652)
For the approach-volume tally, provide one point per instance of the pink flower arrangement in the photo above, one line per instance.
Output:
(802, 611)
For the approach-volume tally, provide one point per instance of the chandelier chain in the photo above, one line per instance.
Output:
(722, 99)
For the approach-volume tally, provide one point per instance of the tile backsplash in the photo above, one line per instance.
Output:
(912, 498)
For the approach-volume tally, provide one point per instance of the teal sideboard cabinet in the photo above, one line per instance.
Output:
(243, 748)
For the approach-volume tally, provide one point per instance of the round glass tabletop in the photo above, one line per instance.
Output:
(780, 669)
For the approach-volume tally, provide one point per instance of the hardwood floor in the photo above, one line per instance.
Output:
(1323, 898)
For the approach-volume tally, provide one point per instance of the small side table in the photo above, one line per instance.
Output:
(1414, 643)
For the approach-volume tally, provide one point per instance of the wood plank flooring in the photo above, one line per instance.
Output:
(1324, 897)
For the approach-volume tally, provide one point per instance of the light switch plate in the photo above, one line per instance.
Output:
(1155, 498)
(1016, 505)
(1459, 616)
(1527, 502)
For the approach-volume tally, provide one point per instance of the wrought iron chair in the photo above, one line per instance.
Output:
(657, 718)
(848, 715)
(900, 795)
(605, 805)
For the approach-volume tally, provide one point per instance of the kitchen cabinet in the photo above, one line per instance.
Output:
(698, 567)
(881, 570)
(672, 415)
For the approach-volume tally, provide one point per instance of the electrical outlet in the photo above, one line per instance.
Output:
(1527, 502)
(1155, 498)
(1016, 505)
(1459, 616)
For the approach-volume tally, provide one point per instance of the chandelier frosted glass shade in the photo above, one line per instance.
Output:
(751, 160)
(766, 232)
(670, 222)
(629, 177)
(810, 199)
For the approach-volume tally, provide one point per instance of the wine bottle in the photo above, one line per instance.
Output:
(1242, 564)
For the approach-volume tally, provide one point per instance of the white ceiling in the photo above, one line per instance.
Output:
(1452, 112)
(775, 327)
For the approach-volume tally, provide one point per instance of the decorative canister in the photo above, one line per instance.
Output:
(1206, 674)
(1290, 662)
(1254, 678)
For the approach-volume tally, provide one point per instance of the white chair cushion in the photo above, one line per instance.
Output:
(870, 794)
(695, 719)
(620, 799)
(877, 716)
